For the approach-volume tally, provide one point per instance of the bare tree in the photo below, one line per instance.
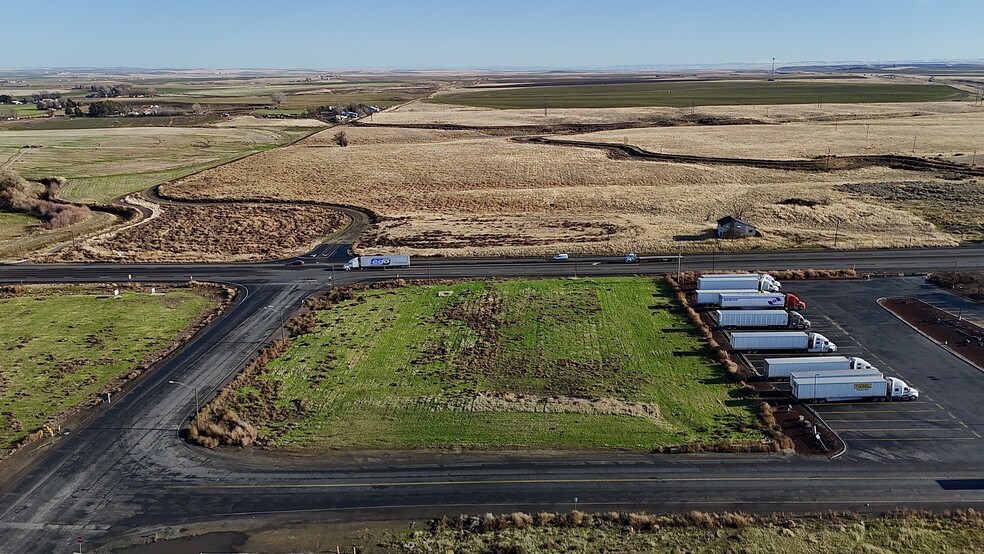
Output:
(739, 208)
(341, 139)
(196, 109)
(277, 98)
(8, 112)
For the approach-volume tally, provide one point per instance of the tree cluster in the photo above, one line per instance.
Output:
(17, 194)
(116, 91)
(104, 108)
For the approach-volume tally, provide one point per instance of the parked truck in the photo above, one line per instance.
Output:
(793, 341)
(738, 281)
(762, 319)
(377, 262)
(749, 300)
(781, 368)
(845, 386)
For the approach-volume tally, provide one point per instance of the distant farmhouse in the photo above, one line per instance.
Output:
(731, 228)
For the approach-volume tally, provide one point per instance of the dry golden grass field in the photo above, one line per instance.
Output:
(462, 193)
(211, 233)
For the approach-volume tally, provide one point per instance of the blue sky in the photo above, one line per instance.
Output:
(425, 34)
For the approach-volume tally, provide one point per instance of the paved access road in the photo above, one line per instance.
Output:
(127, 471)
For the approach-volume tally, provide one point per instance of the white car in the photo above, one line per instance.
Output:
(561, 257)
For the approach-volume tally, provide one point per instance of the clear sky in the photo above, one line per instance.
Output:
(425, 34)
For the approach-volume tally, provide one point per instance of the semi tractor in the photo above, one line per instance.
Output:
(761, 319)
(845, 386)
(377, 262)
(793, 341)
(781, 368)
(738, 281)
(749, 300)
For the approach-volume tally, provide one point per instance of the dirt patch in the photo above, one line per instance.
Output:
(219, 232)
(955, 334)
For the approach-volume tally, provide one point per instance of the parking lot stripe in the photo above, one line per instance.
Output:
(823, 412)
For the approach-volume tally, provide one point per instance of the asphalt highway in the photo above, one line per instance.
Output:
(127, 472)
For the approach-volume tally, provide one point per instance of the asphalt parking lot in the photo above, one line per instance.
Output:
(945, 423)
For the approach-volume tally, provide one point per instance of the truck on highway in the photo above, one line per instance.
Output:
(761, 319)
(781, 368)
(845, 386)
(378, 262)
(749, 300)
(738, 281)
(793, 341)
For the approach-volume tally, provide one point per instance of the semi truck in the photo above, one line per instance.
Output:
(793, 341)
(749, 300)
(763, 319)
(781, 368)
(738, 281)
(377, 262)
(845, 386)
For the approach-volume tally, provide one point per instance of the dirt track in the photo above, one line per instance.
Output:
(823, 163)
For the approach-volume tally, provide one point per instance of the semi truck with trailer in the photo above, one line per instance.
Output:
(378, 262)
(791, 341)
(780, 368)
(738, 281)
(759, 319)
(749, 300)
(846, 386)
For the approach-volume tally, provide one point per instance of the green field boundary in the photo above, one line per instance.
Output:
(681, 94)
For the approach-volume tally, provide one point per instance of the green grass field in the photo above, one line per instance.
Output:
(61, 346)
(700, 93)
(406, 367)
(13, 225)
(102, 163)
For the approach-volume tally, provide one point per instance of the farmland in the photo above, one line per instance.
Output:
(553, 364)
(103, 163)
(67, 344)
(700, 93)
(457, 192)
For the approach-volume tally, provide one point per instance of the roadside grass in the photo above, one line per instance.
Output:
(700, 93)
(704, 533)
(64, 345)
(13, 225)
(545, 363)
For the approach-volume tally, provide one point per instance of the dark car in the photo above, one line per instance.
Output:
(296, 262)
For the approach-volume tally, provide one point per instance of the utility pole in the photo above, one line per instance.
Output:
(820, 100)
(867, 129)
(692, 105)
(913, 145)
(544, 106)
(837, 231)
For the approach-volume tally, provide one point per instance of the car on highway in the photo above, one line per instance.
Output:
(561, 257)
(295, 262)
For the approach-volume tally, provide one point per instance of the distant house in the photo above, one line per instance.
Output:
(732, 228)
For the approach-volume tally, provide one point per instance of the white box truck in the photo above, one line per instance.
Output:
(377, 262)
(763, 319)
(793, 341)
(752, 300)
(845, 386)
(780, 368)
(738, 281)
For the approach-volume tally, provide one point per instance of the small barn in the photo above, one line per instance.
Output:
(732, 228)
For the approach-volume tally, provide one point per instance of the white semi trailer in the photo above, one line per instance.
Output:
(781, 368)
(378, 262)
(738, 281)
(762, 319)
(846, 386)
(792, 341)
